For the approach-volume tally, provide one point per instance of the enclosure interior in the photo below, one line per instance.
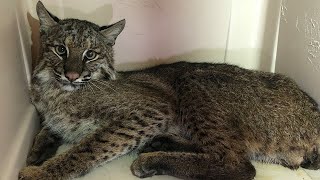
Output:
(243, 32)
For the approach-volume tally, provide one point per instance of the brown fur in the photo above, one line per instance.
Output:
(190, 120)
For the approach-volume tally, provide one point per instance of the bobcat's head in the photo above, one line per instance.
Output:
(75, 52)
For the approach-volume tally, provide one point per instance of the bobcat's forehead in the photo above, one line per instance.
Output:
(79, 33)
(71, 42)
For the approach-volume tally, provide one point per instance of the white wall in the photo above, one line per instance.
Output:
(253, 34)
(299, 44)
(16, 113)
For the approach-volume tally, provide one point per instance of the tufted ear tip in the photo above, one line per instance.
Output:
(122, 22)
(40, 5)
(45, 17)
(40, 8)
(112, 31)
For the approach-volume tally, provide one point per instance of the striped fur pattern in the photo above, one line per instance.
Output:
(189, 120)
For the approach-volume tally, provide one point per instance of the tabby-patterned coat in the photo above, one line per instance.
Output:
(189, 120)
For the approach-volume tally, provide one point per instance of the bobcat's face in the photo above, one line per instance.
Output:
(76, 52)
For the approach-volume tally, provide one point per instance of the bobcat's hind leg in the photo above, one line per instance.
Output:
(190, 166)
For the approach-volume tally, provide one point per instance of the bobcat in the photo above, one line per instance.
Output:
(189, 120)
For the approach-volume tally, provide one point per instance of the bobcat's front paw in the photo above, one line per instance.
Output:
(144, 167)
(32, 173)
(34, 160)
(158, 143)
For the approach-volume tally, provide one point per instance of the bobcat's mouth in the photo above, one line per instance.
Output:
(72, 85)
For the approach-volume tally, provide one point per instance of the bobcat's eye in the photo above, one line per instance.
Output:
(61, 50)
(90, 54)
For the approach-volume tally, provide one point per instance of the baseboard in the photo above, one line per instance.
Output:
(21, 145)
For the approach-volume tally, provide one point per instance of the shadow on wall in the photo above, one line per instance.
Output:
(105, 11)
(270, 37)
(198, 55)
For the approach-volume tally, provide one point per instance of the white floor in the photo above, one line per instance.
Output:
(119, 169)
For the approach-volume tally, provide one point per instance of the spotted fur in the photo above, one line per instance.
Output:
(190, 120)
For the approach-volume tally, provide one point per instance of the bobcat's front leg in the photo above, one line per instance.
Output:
(103, 146)
(44, 147)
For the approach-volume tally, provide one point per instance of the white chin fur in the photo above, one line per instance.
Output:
(69, 87)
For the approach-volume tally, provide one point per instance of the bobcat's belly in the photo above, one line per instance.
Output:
(71, 132)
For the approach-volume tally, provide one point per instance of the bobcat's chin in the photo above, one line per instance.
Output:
(69, 87)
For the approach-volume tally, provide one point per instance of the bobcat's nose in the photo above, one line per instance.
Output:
(72, 76)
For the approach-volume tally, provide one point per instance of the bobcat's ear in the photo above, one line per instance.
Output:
(112, 31)
(45, 17)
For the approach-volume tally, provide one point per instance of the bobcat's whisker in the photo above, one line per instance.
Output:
(105, 84)
(83, 88)
(92, 90)
(95, 86)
